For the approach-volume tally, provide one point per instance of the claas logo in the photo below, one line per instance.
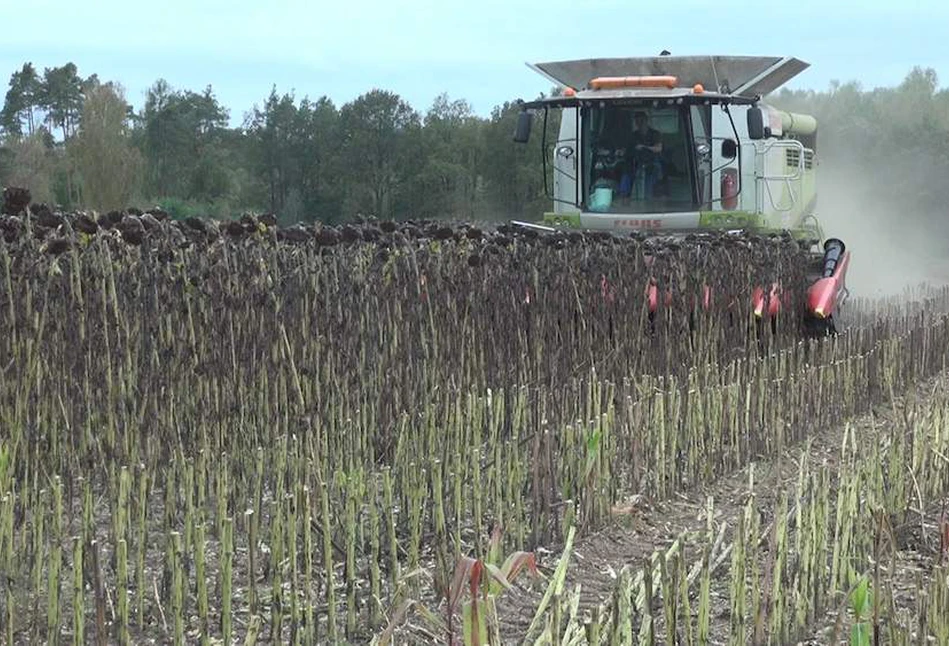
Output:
(639, 224)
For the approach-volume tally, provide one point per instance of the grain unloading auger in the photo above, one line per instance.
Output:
(677, 145)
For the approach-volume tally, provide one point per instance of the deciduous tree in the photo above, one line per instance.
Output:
(377, 130)
(109, 166)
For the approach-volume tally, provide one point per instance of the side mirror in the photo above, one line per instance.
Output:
(522, 133)
(565, 151)
(729, 149)
(755, 123)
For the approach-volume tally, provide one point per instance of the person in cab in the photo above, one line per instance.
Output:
(646, 144)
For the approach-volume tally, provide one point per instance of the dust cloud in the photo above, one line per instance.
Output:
(894, 244)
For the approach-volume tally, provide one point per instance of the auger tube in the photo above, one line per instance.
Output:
(833, 250)
(793, 123)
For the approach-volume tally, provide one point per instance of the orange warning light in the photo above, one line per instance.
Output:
(610, 82)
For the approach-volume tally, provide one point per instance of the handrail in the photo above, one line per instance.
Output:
(786, 178)
(787, 144)
(558, 144)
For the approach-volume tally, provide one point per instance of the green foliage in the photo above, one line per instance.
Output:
(445, 182)
(293, 151)
(181, 134)
(32, 162)
(180, 209)
(6, 162)
(22, 99)
(6, 473)
(512, 173)
(380, 147)
(45, 104)
(889, 145)
(107, 164)
(61, 95)
(861, 602)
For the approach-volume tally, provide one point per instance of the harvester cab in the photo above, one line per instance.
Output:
(682, 144)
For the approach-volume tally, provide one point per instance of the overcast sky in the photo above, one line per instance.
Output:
(474, 49)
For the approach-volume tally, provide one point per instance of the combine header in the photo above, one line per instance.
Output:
(676, 145)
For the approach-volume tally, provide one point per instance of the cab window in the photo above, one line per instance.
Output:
(636, 159)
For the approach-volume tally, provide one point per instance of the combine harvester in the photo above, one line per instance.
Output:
(677, 145)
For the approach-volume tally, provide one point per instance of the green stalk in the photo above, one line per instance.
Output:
(39, 542)
(292, 531)
(309, 633)
(375, 585)
(178, 586)
(778, 591)
(647, 630)
(276, 566)
(227, 572)
(684, 605)
(353, 493)
(142, 546)
(55, 563)
(222, 485)
(201, 582)
(121, 584)
(669, 598)
(188, 466)
(737, 589)
(7, 550)
(121, 554)
(328, 564)
(251, 519)
(252, 516)
(622, 612)
(705, 598)
(79, 609)
(394, 574)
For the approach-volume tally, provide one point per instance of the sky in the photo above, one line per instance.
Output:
(475, 50)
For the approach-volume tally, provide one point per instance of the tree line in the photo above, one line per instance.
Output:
(76, 141)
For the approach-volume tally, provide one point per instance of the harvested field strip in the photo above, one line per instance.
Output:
(214, 436)
(774, 553)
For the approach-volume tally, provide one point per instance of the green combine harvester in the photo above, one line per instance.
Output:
(674, 145)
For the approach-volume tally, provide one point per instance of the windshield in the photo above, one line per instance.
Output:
(636, 159)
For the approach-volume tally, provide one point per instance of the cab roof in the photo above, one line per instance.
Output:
(637, 95)
(749, 76)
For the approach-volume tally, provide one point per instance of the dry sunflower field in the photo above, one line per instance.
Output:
(433, 433)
